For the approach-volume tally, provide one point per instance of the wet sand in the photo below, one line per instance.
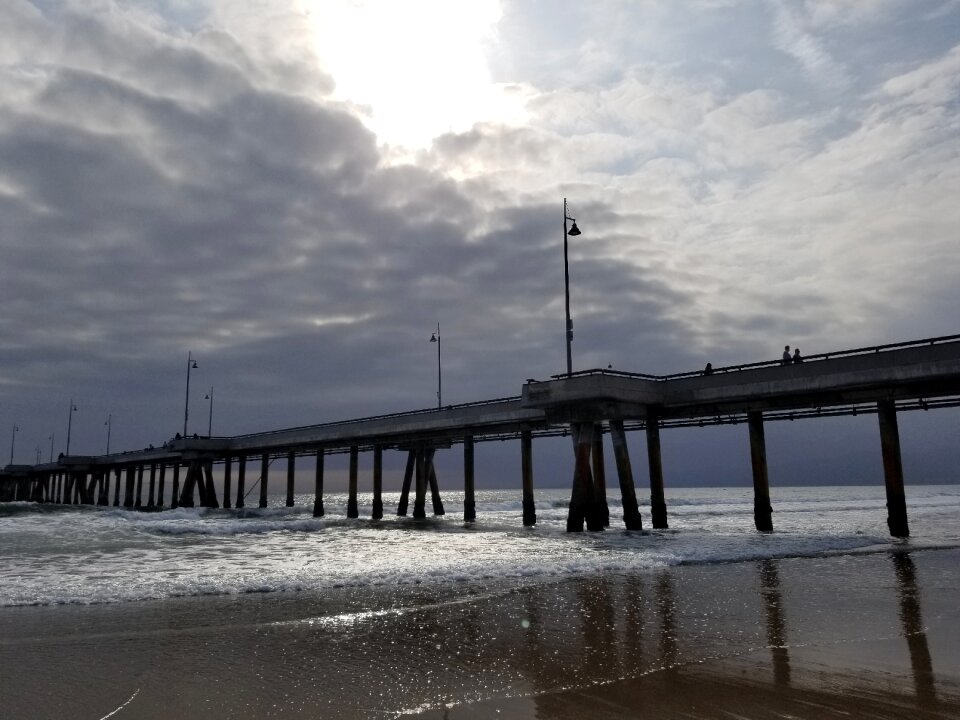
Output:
(872, 635)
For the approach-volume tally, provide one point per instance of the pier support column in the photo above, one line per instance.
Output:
(128, 488)
(420, 499)
(117, 476)
(161, 484)
(104, 498)
(352, 510)
(227, 479)
(153, 485)
(600, 476)
(241, 479)
(377, 512)
(658, 503)
(435, 498)
(628, 493)
(892, 469)
(469, 502)
(762, 512)
(526, 471)
(264, 476)
(175, 489)
(582, 505)
(318, 485)
(291, 476)
(138, 496)
(189, 481)
(407, 479)
(206, 479)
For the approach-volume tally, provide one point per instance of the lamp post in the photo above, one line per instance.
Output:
(574, 230)
(209, 396)
(73, 409)
(51, 446)
(435, 338)
(191, 363)
(109, 424)
(13, 440)
(38, 455)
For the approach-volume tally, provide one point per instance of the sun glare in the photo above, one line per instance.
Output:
(418, 67)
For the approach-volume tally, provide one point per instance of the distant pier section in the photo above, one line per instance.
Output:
(585, 405)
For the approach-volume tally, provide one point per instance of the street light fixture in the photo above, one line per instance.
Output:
(209, 396)
(73, 409)
(435, 338)
(574, 230)
(13, 440)
(191, 364)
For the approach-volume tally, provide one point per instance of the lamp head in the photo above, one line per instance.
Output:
(574, 230)
(433, 337)
(194, 366)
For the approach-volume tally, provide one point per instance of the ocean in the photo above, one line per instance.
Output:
(271, 613)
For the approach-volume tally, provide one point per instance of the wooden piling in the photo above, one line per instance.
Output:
(377, 512)
(469, 502)
(241, 479)
(291, 476)
(264, 476)
(762, 511)
(434, 485)
(892, 469)
(658, 503)
(600, 476)
(628, 493)
(420, 498)
(175, 488)
(407, 479)
(318, 485)
(526, 472)
(352, 509)
(153, 485)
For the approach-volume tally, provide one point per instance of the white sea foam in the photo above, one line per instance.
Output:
(87, 555)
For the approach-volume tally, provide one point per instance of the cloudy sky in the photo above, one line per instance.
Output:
(299, 191)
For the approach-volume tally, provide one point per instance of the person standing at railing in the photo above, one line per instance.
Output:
(786, 355)
(797, 357)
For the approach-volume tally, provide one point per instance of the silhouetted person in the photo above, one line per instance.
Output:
(786, 355)
(797, 357)
(708, 370)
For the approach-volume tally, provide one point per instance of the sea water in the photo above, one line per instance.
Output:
(55, 555)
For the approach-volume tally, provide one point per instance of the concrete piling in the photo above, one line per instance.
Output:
(377, 512)
(469, 502)
(264, 477)
(600, 476)
(420, 498)
(210, 499)
(762, 511)
(160, 484)
(434, 485)
(291, 477)
(318, 485)
(227, 479)
(892, 469)
(582, 507)
(628, 493)
(658, 503)
(352, 510)
(526, 471)
(153, 485)
(138, 497)
(407, 479)
(241, 479)
(175, 488)
(128, 489)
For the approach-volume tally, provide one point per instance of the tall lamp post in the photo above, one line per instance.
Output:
(209, 396)
(13, 440)
(73, 409)
(574, 230)
(435, 338)
(51, 446)
(191, 364)
(109, 424)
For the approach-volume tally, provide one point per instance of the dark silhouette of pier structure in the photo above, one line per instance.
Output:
(585, 405)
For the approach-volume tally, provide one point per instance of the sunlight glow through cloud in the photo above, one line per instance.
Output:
(418, 68)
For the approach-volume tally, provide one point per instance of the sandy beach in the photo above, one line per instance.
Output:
(864, 635)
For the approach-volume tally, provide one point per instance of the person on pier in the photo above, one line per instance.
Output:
(786, 355)
(797, 357)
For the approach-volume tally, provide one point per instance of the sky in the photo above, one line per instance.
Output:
(298, 193)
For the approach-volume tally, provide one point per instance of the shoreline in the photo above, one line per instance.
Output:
(876, 629)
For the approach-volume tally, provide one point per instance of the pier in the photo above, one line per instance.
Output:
(585, 405)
